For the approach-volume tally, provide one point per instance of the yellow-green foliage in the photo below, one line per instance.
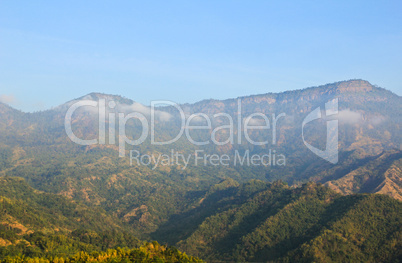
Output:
(149, 252)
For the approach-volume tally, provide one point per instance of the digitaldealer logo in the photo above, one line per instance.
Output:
(237, 129)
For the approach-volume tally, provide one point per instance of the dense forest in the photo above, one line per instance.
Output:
(41, 227)
(258, 221)
(254, 221)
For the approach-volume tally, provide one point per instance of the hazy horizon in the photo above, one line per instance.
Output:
(4, 98)
(188, 51)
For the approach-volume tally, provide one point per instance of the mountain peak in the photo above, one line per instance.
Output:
(98, 95)
(354, 85)
(4, 108)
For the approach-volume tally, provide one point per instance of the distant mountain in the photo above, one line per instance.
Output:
(35, 146)
(370, 120)
(8, 115)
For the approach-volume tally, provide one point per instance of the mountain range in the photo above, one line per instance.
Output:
(303, 208)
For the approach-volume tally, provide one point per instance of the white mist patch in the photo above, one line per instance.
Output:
(144, 110)
(120, 108)
(256, 122)
(376, 120)
(197, 118)
(8, 99)
(349, 117)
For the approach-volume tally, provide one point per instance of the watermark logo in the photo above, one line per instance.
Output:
(331, 152)
(237, 128)
(200, 157)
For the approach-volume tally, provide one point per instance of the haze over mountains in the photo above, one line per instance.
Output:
(188, 205)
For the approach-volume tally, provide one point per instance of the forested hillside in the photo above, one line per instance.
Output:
(59, 198)
(35, 223)
(259, 222)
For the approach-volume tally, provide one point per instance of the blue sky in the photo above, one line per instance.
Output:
(186, 51)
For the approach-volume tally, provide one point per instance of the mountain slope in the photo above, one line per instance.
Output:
(380, 174)
(37, 222)
(277, 223)
(35, 146)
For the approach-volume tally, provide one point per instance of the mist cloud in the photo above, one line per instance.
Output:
(8, 99)
(144, 110)
(375, 120)
(349, 117)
